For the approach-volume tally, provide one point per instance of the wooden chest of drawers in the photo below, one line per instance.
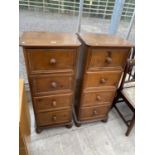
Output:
(51, 60)
(104, 61)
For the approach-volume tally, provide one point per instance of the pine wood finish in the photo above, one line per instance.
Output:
(53, 102)
(97, 97)
(94, 112)
(104, 61)
(107, 58)
(24, 121)
(51, 60)
(101, 79)
(51, 83)
(57, 117)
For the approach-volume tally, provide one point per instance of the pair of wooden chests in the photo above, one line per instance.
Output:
(73, 75)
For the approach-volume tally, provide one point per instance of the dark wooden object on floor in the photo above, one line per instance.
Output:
(126, 93)
(104, 61)
(51, 60)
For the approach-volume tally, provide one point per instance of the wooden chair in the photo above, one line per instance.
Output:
(126, 93)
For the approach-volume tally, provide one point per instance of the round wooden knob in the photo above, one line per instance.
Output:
(53, 61)
(98, 98)
(108, 60)
(54, 103)
(54, 84)
(54, 118)
(102, 81)
(94, 112)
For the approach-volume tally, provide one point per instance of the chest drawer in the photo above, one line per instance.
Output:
(53, 118)
(102, 79)
(107, 58)
(93, 112)
(46, 84)
(104, 97)
(53, 102)
(50, 60)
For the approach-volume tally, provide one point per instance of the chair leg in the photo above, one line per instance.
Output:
(115, 100)
(130, 126)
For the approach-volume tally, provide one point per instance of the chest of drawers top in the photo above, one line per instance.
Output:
(50, 52)
(105, 52)
(49, 39)
(103, 40)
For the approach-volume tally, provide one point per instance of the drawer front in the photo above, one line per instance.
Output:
(53, 102)
(108, 58)
(104, 97)
(53, 118)
(93, 112)
(46, 84)
(49, 60)
(102, 79)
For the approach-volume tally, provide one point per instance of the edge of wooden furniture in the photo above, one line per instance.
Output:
(123, 43)
(53, 39)
(24, 120)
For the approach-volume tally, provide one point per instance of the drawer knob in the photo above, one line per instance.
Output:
(54, 118)
(54, 84)
(108, 60)
(102, 81)
(98, 98)
(94, 112)
(53, 61)
(54, 103)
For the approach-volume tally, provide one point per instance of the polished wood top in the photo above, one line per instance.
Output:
(105, 40)
(49, 39)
